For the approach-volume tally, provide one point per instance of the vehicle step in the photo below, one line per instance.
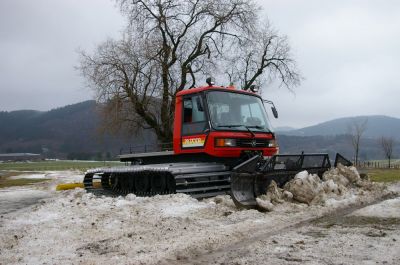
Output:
(186, 183)
(204, 188)
(202, 175)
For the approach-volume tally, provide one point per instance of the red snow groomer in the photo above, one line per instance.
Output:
(223, 143)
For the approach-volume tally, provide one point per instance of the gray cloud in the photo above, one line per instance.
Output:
(346, 50)
(348, 54)
(38, 45)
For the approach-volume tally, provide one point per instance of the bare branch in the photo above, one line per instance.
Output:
(356, 129)
(168, 44)
(387, 144)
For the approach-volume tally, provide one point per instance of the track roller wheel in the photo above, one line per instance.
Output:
(142, 184)
(123, 179)
(88, 181)
(158, 183)
(171, 183)
(131, 183)
(115, 183)
(105, 181)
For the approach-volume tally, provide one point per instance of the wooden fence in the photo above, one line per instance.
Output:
(377, 164)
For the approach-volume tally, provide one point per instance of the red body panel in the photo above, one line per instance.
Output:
(205, 143)
(236, 151)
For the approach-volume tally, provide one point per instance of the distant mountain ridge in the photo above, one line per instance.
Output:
(66, 132)
(377, 126)
(72, 132)
(284, 129)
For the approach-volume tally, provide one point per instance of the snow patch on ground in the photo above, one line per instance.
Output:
(385, 209)
(74, 226)
(181, 209)
(29, 176)
(13, 199)
(65, 176)
(395, 187)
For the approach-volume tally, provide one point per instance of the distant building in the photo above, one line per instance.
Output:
(20, 157)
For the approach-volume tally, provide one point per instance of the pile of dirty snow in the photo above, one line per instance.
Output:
(337, 184)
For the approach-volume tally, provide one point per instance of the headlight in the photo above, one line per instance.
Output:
(225, 142)
(272, 143)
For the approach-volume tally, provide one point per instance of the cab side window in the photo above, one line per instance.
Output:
(194, 116)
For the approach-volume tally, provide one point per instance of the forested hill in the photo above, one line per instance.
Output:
(66, 132)
(72, 132)
(376, 127)
(332, 136)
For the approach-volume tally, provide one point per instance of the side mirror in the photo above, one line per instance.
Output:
(275, 112)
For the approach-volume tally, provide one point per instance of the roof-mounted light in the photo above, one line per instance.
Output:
(254, 88)
(210, 81)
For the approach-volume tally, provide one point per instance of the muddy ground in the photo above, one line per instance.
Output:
(74, 227)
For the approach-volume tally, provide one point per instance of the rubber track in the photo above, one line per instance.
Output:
(121, 181)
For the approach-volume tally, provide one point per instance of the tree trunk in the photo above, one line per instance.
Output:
(356, 156)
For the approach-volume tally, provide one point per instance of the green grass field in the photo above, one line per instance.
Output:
(384, 175)
(56, 165)
(6, 182)
(12, 168)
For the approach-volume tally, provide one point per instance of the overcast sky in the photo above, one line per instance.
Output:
(348, 52)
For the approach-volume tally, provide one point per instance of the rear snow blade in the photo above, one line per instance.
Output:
(242, 182)
(251, 178)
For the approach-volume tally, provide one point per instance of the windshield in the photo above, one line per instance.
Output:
(237, 111)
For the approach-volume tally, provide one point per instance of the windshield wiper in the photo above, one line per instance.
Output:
(255, 126)
(259, 127)
(240, 125)
(247, 127)
(231, 125)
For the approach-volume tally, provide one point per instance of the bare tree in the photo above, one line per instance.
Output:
(169, 44)
(356, 129)
(387, 144)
